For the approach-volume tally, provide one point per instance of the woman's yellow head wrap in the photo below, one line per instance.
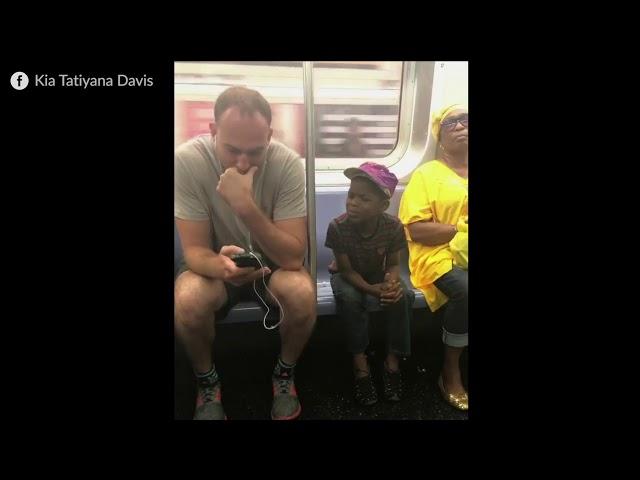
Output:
(440, 115)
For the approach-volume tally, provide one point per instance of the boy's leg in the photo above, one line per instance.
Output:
(398, 320)
(351, 307)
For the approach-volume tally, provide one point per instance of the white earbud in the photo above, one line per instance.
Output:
(264, 320)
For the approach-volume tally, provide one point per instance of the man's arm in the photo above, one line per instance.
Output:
(198, 255)
(431, 233)
(284, 241)
(201, 259)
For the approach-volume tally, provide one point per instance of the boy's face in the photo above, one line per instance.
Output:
(364, 201)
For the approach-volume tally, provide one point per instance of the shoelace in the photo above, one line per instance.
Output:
(284, 385)
(208, 393)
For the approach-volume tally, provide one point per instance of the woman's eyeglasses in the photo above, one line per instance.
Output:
(450, 123)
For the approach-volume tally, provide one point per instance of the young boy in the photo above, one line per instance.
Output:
(366, 243)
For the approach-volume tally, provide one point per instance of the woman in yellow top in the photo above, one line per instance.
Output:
(433, 208)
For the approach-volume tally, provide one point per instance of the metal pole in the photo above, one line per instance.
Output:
(310, 156)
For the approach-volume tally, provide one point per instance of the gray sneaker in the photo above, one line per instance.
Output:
(286, 405)
(209, 403)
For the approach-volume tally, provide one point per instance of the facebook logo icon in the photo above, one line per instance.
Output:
(19, 80)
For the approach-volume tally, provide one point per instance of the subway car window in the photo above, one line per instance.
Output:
(357, 104)
(198, 84)
(357, 109)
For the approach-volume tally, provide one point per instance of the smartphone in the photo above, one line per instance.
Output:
(243, 260)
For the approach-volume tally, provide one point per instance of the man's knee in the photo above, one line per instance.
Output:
(197, 298)
(295, 289)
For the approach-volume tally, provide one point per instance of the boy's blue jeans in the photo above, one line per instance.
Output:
(351, 305)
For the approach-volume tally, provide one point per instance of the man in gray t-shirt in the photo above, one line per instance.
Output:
(236, 190)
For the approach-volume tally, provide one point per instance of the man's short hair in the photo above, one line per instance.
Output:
(247, 100)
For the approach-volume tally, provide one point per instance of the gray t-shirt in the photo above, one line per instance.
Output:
(278, 189)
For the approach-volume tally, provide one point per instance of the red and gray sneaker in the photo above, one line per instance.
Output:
(209, 403)
(286, 405)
